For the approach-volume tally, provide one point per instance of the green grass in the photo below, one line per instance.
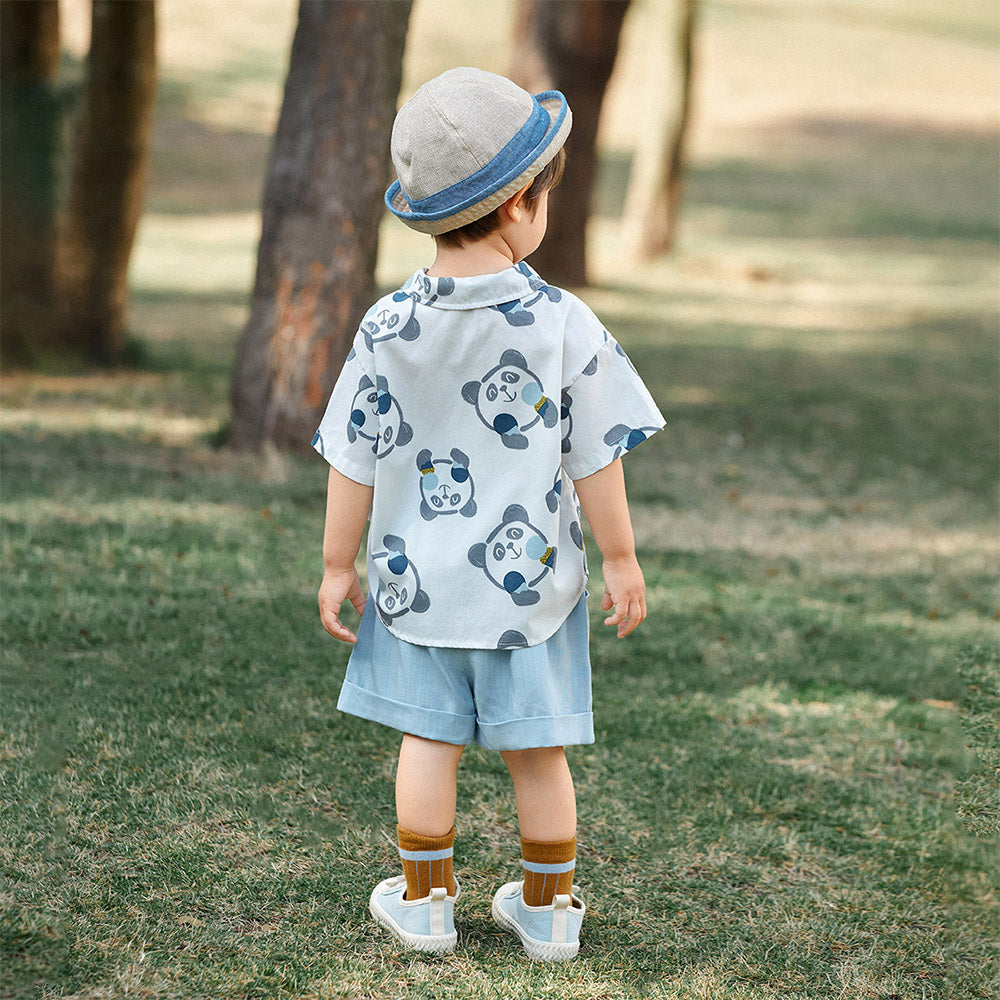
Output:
(768, 809)
(794, 789)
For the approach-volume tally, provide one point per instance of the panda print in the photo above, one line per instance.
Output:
(446, 487)
(552, 501)
(552, 497)
(515, 557)
(509, 398)
(431, 289)
(623, 439)
(399, 591)
(566, 416)
(621, 351)
(383, 322)
(518, 312)
(376, 417)
(512, 639)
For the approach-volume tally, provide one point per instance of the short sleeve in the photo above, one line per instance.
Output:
(606, 411)
(342, 438)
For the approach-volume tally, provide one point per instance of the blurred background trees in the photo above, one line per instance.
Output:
(29, 136)
(64, 291)
(328, 171)
(656, 183)
(577, 44)
(65, 259)
(107, 177)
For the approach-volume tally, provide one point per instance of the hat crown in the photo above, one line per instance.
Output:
(453, 126)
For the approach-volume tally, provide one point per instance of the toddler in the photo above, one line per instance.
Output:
(478, 411)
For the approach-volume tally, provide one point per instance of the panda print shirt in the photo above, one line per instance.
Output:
(471, 405)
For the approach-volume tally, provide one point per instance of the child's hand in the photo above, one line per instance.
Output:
(625, 591)
(337, 587)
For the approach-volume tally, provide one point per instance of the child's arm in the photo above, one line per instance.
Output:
(348, 505)
(602, 497)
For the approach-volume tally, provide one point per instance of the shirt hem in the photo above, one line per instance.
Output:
(465, 644)
(353, 472)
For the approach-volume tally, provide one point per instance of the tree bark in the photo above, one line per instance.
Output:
(652, 205)
(328, 170)
(108, 176)
(578, 40)
(29, 139)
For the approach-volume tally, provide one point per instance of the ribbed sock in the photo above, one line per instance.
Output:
(427, 862)
(548, 869)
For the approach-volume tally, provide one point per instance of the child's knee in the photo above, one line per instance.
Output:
(533, 759)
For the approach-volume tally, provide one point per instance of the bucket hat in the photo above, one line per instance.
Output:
(466, 142)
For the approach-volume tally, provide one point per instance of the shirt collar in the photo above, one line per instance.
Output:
(514, 283)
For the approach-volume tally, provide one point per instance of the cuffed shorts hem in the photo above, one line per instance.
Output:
(426, 722)
(527, 734)
(445, 727)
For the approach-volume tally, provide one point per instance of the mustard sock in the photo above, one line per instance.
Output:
(427, 862)
(548, 869)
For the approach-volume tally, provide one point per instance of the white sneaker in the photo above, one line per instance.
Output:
(426, 924)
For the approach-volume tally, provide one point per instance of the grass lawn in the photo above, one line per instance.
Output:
(794, 791)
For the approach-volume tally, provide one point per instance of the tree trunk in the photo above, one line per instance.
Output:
(658, 168)
(578, 40)
(29, 138)
(108, 176)
(527, 67)
(328, 170)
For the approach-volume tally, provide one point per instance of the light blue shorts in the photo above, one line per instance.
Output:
(502, 699)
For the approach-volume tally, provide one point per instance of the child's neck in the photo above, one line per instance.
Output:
(490, 255)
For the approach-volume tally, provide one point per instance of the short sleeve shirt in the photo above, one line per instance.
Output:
(471, 405)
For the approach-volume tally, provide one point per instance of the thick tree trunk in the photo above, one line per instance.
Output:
(108, 176)
(578, 40)
(328, 170)
(657, 183)
(29, 137)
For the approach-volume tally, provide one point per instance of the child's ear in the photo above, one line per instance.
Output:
(515, 206)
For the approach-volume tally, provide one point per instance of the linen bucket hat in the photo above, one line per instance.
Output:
(466, 142)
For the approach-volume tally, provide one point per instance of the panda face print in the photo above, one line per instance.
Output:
(623, 439)
(515, 556)
(431, 289)
(399, 591)
(377, 417)
(398, 319)
(510, 400)
(446, 486)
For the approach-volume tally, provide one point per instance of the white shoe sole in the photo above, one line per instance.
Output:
(540, 951)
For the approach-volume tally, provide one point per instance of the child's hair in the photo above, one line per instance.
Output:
(547, 178)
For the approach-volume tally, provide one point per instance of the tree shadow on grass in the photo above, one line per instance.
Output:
(908, 398)
(829, 178)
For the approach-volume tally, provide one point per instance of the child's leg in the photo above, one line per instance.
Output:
(546, 812)
(426, 791)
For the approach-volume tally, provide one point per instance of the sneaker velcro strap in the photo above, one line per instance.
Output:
(438, 894)
(560, 921)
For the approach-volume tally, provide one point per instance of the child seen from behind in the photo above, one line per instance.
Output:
(479, 411)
